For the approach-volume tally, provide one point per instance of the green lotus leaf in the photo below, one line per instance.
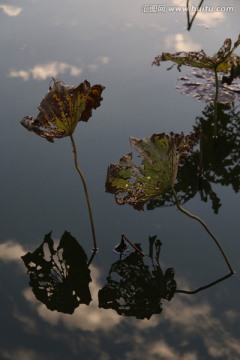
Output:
(223, 60)
(137, 185)
(62, 108)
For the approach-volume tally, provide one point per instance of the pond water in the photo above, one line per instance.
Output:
(113, 43)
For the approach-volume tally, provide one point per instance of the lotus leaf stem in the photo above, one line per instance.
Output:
(216, 103)
(184, 211)
(85, 191)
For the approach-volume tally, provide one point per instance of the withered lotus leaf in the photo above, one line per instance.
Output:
(137, 185)
(223, 60)
(62, 108)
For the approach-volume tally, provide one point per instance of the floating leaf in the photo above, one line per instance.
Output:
(59, 278)
(200, 83)
(221, 61)
(136, 185)
(133, 289)
(62, 108)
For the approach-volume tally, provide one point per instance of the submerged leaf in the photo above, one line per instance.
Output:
(221, 61)
(136, 185)
(62, 108)
(200, 83)
(59, 278)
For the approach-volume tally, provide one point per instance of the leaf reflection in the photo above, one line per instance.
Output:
(59, 278)
(217, 162)
(135, 287)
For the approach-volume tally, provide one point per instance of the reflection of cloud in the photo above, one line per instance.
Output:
(54, 68)
(29, 325)
(102, 60)
(85, 317)
(157, 349)
(166, 352)
(11, 251)
(209, 19)
(201, 331)
(199, 320)
(204, 331)
(196, 326)
(180, 42)
(157, 27)
(10, 10)
(43, 71)
(23, 354)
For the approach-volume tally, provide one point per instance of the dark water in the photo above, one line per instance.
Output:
(114, 44)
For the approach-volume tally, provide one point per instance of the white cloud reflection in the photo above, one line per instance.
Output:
(200, 327)
(197, 328)
(11, 251)
(10, 10)
(44, 71)
(196, 321)
(206, 17)
(101, 60)
(21, 354)
(180, 42)
(55, 68)
(209, 19)
(85, 317)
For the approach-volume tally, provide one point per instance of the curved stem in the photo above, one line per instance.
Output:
(85, 191)
(205, 227)
(94, 251)
(188, 292)
(215, 103)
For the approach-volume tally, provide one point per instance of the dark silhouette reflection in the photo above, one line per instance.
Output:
(59, 278)
(122, 247)
(134, 287)
(220, 157)
(215, 161)
(234, 73)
